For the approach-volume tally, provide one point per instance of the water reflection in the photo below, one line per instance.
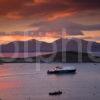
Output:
(22, 81)
(4, 72)
(5, 85)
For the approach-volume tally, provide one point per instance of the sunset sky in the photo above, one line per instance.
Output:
(80, 19)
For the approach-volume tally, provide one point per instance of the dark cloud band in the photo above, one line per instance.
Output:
(38, 8)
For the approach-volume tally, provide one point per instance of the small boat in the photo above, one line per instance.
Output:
(55, 93)
(62, 70)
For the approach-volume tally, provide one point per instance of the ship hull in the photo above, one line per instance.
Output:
(61, 72)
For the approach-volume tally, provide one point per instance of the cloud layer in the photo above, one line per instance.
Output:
(18, 9)
(50, 16)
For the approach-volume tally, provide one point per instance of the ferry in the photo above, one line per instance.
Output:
(62, 70)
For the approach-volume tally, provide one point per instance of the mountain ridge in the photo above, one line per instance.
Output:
(39, 46)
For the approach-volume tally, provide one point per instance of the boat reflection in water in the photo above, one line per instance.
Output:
(62, 70)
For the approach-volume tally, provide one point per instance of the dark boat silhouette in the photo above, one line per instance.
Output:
(63, 70)
(55, 93)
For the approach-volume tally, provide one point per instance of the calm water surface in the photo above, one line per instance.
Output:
(31, 82)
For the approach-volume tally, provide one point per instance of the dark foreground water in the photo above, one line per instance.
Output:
(31, 82)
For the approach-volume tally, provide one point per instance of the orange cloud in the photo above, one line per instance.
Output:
(60, 15)
(13, 16)
(50, 37)
(40, 1)
(27, 8)
(7, 39)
